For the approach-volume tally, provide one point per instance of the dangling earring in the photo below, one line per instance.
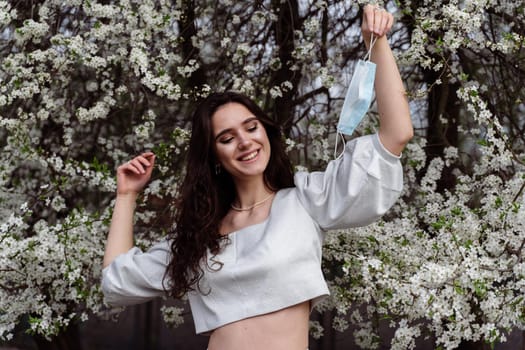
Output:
(217, 168)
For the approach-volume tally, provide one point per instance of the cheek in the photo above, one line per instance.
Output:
(222, 152)
(263, 137)
(267, 143)
(268, 147)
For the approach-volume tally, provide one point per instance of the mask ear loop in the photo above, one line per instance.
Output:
(373, 40)
(338, 134)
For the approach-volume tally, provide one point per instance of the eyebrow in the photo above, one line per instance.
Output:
(225, 131)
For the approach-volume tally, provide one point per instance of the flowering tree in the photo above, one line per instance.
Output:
(84, 87)
(450, 261)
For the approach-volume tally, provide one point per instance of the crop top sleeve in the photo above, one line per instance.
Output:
(136, 276)
(355, 189)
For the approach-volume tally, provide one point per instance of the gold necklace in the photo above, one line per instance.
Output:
(252, 206)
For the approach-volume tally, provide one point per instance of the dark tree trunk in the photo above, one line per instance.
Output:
(66, 340)
(188, 30)
(147, 325)
(443, 105)
(469, 345)
(288, 21)
(328, 339)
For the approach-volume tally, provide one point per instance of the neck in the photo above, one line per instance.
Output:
(251, 194)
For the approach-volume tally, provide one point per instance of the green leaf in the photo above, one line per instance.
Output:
(456, 211)
(483, 142)
(372, 239)
(458, 289)
(480, 289)
(440, 223)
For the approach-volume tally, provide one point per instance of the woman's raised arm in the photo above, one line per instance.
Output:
(395, 128)
(131, 179)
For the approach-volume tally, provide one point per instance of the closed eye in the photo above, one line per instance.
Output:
(253, 128)
(226, 140)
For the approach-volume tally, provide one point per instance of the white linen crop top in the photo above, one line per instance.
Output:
(276, 263)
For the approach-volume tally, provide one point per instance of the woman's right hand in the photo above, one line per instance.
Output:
(377, 21)
(132, 176)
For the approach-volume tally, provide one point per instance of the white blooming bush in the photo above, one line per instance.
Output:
(86, 85)
(78, 98)
(448, 259)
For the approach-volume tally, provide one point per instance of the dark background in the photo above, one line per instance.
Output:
(141, 328)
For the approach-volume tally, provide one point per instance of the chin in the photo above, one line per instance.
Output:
(249, 174)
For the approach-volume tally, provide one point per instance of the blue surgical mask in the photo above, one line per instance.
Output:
(359, 94)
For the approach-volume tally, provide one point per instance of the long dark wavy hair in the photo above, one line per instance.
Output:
(206, 195)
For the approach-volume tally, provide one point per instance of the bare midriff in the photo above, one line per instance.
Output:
(285, 329)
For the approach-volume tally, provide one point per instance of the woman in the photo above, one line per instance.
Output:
(247, 243)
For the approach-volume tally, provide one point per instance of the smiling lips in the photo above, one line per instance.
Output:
(250, 156)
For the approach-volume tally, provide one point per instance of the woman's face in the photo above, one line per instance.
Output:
(241, 144)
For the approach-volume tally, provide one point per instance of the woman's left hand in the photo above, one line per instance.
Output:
(376, 20)
(395, 125)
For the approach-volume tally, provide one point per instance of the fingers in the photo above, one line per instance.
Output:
(380, 22)
(377, 20)
(389, 23)
(140, 164)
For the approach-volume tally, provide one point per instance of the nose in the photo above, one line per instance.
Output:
(244, 141)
